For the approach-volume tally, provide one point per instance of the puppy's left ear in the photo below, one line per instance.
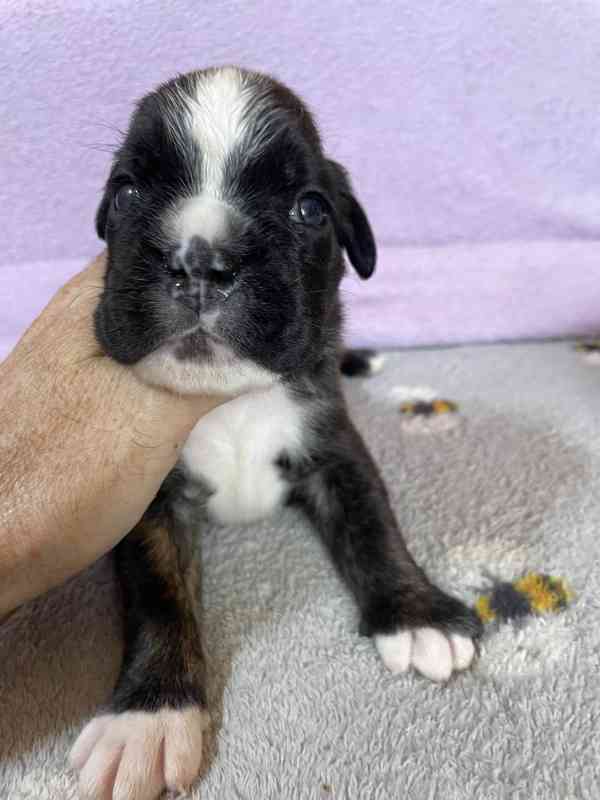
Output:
(352, 226)
(105, 203)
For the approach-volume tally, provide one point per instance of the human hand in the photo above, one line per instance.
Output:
(84, 445)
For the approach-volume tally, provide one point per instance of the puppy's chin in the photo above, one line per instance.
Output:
(218, 371)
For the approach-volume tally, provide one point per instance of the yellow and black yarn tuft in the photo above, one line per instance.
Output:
(592, 346)
(532, 594)
(428, 408)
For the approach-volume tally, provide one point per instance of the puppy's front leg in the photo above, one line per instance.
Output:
(412, 621)
(151, 736)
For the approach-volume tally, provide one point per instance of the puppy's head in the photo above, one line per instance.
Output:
(225, 225)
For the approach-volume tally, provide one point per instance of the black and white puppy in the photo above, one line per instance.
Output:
(226, 227)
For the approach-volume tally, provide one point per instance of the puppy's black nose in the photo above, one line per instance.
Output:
(199, 276)
(197, 259)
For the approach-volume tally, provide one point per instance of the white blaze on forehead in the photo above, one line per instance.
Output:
(219, 114)
(219, 118)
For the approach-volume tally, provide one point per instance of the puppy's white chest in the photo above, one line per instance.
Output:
(233, 450)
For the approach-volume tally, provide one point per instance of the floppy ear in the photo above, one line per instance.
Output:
(353, 229)
(102, 215)
(104, 207)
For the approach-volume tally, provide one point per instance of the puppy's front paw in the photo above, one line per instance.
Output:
(436, 637)
(433, 653)
(136, 754)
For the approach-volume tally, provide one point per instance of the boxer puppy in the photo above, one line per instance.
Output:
(226, 228)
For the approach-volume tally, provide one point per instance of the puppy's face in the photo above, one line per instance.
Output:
(224, 224)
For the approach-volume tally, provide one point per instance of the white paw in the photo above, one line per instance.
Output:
(432, 653)
(376, 362)
(137, 754)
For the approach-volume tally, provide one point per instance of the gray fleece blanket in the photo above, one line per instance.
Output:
(301, 705)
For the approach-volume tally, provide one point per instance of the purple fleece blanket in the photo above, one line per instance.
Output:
(471, 130)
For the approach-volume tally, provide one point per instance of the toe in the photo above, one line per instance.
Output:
(140, 773)
(80, 752)
(98, 775)
(431, 654)
(463, 651)
(395, 650)
(183, 748)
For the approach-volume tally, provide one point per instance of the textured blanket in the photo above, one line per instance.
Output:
(302, 707)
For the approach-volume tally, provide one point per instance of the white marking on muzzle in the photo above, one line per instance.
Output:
(201, 216)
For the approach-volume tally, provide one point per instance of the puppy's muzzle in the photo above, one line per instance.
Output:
(200, 277)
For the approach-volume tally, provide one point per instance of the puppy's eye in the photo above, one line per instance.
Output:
(125, 197)
(310, 210)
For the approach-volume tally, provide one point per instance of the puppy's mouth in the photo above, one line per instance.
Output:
(193, 327)
(196, 345)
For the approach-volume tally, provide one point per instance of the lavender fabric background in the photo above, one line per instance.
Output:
(471, 130)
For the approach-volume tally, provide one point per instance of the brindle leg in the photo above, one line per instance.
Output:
(413, 623)
(151, 736)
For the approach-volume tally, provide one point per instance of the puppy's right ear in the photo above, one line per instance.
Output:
(102, 216)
